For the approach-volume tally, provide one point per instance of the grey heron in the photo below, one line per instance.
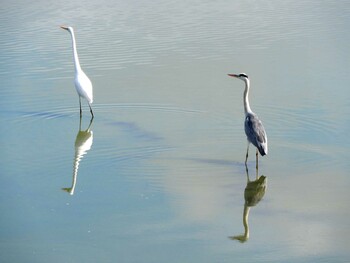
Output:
(253, 193)
(253, 127)
(82, 82)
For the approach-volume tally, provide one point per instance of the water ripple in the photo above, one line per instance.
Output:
(147, 107)
(141, 35)
(68, 111)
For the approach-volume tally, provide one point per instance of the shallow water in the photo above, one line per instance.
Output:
(159, 176)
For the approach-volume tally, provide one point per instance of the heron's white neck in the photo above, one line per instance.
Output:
(75, 53)
(247, 108)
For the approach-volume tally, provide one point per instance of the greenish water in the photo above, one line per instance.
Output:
(159, 176)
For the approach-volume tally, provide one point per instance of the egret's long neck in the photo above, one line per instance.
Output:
(75, 53)
(247, 108)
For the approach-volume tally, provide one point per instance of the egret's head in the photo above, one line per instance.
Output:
(68, 28)
(241, 76)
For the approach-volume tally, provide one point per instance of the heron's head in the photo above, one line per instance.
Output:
(241, 76)
(68, 28)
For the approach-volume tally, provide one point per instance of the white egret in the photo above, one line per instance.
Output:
(83, 143)
(82, 82)
(252, 125)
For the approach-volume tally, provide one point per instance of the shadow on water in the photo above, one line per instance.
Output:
(253, 193)
(83, 143)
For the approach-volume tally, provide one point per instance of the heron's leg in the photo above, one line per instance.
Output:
(246, 156)
(247, 172)
(81, 112)
(257, 162)
(92, 114)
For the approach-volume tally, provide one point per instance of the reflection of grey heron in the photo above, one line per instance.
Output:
(253, 193)
(83, 143)
(82, 82)
(252, 125)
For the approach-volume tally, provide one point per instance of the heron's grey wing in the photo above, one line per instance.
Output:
(255, 131)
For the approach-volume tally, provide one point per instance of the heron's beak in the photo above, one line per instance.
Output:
(233, 75)
(64, 27)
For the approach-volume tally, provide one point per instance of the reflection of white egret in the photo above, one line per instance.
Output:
(83, 143)
(252, 125)
(82, 82)
(253, 193)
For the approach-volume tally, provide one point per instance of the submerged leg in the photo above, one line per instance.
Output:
(92, 114)
(246, 156)
(81, 112)
(257, 161)
(247, 172)
(80, 123)
(88, 129)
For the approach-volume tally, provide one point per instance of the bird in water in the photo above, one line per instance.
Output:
(253, 193)
(83, 143)
(253, 127)
(82, 82)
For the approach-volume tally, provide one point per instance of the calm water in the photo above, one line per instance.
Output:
(159, 175)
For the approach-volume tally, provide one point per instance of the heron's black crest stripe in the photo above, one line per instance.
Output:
(243, 75)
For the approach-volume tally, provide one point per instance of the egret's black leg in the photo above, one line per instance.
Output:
(92, 114)
(80, 123)
(81, 112)
(88, 129)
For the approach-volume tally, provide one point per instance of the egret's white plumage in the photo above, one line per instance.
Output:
(83, 143)
(82, 82)
(253, 127)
